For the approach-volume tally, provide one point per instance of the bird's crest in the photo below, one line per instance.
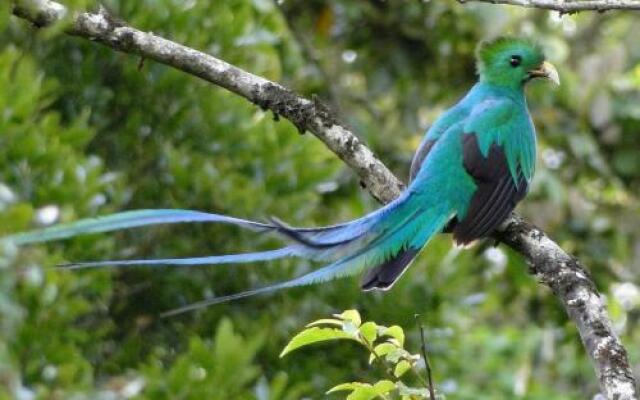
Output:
(496, 59)
(489, 49)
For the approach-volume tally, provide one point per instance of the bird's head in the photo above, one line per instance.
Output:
(512, 62)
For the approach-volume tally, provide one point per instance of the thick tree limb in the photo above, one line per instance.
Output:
(568, 6)
(568, 280)
(572, 284)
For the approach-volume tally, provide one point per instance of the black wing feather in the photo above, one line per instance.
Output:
(384, 275)
(496, 195)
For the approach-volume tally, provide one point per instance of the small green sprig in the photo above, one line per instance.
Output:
(386, 349)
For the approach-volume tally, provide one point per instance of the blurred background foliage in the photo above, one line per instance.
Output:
(87, 131)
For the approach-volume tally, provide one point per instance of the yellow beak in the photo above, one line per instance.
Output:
(547, 71)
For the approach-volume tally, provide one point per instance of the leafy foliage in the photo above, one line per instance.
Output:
(385, 346)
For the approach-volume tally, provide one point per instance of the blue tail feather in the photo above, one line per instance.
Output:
(300, 235)
(209, 260)
(320, 275)
(149, 217)
(377, 251)
(305, 239)
(349, 248)
(340, 234)
(129, 219)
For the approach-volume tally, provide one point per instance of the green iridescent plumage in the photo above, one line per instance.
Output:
(490, 60)
(473, 166)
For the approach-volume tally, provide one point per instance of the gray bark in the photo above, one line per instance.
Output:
(568, 6)
(561, 272)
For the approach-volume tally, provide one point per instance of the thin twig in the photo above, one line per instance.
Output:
(427, 364)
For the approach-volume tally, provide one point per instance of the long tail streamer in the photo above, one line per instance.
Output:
(349, 248)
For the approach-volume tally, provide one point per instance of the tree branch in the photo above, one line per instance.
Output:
(306, 115)
(568, 6)
(572, 284)
(568, 280)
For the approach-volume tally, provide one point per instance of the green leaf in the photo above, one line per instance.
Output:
(314, 335)
(325, 321)
(395, 332)
(398, 354)
(352, 316)
(368, 331)
(401, 368)
(382, 350)
(364, 391)
(347, 386)
(384, 386)
(412, 392)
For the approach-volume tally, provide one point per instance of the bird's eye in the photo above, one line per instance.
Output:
(515, 60)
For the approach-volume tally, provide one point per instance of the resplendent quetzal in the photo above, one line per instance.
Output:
(472, 168)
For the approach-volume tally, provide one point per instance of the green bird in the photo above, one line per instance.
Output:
(473, 166)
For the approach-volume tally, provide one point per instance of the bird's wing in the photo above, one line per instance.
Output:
(494, 168)
(439, 127)
(421, 155)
